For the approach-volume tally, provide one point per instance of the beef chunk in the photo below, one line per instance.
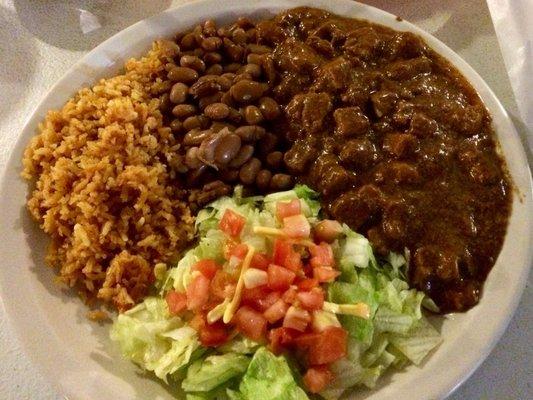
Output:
(300, 155)
(360, 153)
(334, 75)
(329, 176)
(422, 126)
(407, 69)
(350, 121)
(383, 102)
(363, 43)
(295, 56)
(468, 121)
(400, 145)
(434, 261)
(306, 112)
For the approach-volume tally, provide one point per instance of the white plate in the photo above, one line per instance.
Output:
(77, 356)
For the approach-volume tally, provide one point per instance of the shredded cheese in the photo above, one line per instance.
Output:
(218, 311)
(265, 230)
(234, 304)
(359, 310)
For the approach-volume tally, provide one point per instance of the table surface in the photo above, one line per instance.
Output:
(40, 40)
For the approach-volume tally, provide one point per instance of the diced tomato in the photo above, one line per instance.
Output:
(324, 347)
(255, 296)
(265, 302)
(293, 261)
(276, 311)
(297, 319)
(231, 223)
(177, 302)
(222, 285)
(322, 255)
(228, 245)
(239, 250)
(325, 274)
(307, 284)
(281, 250)
(316, 379)
(197, 292)
(287, 209)
(281, 338)
(212, 335)
(279, 278)
(327, 230)
(250, 323)
(312, 300)
(290, 295)
(197, 322)
(260, 261)
(296, 226)
(207, 267)
(285, 255)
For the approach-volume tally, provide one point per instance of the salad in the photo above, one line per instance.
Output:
(276, 302)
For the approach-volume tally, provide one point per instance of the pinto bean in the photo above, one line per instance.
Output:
(217, 111)
(184, 110)
(263, 178)
(183, 74)
(191, 158)
(249, 171)
(281, 182)
(195, 137)
(253, 115)
(193, 62)
(250, 133)
(269, 108)
(244, 154)
(246, 91)
(227, 149)
(178, 93)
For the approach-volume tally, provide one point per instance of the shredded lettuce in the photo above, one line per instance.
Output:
(268, 378)
(206, 374)
(154, 340)
(395, 335)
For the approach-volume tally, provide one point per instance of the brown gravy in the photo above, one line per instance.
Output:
(398, 143)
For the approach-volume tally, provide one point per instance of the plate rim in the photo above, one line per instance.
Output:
(458, 62)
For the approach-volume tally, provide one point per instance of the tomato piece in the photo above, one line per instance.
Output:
(322, 255)
(222, 285)
(281, 250)
(198, 292)
(177, 302)
(279, 278)
(316, 379)
(281, 338)
(325, 347)
(293, 261)
(250, 323)
(212, 335)
(255, 296)
(260, 261)
(288, 208)
(239, 251)
(265, 302)
(296, 226)
(297, 319)
(325, 274)
(198, 321)
(307, 284)
(311, 300)
(231, 223)
(207, 267)
(290, 295)
(276, 311)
